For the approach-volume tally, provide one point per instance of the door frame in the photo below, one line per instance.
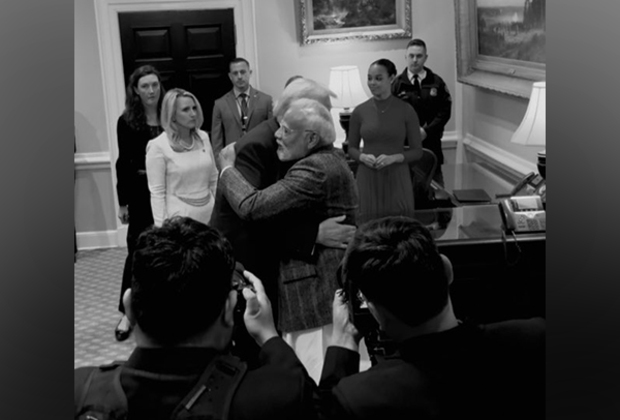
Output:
(110, 52)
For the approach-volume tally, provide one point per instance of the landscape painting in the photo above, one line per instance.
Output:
(500, 44)
(338, 20)
(512, 29)
(336, 14)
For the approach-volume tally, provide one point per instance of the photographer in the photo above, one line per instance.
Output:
(181, 305)
(444, 368)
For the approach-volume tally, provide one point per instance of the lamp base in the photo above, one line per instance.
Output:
(542, 164)
(345, 117)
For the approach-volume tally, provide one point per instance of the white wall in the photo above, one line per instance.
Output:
(281, 55)
(94, 199)
(493, 117)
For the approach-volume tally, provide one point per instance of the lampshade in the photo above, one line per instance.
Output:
(345, 82)
(531, 132)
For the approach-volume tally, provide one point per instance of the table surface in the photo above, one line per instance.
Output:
(473, 176)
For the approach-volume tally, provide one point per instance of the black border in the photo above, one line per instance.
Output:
(36, 288)
(583, 291)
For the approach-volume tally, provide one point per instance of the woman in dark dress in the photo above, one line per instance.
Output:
(385, 124)
(135, 128)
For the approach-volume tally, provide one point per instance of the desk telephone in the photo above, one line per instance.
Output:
(523, 214)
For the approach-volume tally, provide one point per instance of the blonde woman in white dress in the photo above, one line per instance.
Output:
(180, 165)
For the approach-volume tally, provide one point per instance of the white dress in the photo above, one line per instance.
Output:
(181, 183)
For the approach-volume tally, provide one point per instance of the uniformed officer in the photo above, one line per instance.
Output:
(429, 96)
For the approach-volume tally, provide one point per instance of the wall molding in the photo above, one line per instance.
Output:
(95, 240)
(102, 239)
(91, 161)
(450, 140)
(501, 161)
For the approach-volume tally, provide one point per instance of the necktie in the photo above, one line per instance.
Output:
(416, 84)
(244, 109)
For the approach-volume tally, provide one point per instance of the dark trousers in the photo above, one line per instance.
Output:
(140, 219)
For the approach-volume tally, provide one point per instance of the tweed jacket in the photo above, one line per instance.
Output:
(319, 186)
(226, 126)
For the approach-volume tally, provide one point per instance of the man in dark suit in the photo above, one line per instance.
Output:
(182, 305)
(444, 368)
(239, 110)
(429, 96)
(317, 186)
(260, 245)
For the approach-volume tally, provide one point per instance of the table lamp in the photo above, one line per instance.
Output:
(532, 131)
(345, 82)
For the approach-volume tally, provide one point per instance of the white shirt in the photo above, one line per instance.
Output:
(421, 76)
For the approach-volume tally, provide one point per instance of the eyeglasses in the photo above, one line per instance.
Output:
(286, 131)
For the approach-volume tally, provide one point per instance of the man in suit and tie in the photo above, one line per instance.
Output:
(429, 96)
(239, 110)
(318, 185)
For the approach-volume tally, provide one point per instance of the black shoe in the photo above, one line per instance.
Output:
(123, 329)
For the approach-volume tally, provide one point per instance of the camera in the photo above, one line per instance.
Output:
(239, 282)
(379, 345)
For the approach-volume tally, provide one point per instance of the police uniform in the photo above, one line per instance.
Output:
(433, 105)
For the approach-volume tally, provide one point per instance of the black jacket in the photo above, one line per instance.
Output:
(433, 106)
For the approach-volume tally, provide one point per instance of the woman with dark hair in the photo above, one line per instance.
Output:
(135, 128)
(384, 124)
(180, 165)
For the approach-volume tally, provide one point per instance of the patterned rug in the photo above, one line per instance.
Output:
(97, 277)
(97, 282)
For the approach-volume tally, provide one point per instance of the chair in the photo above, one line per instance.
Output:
(422, 172)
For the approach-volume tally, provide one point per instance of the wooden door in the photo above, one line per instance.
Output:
(190, 48)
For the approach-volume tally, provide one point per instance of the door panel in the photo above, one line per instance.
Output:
(191, 50)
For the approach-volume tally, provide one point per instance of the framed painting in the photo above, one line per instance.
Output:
(501, 44)
(342, 20)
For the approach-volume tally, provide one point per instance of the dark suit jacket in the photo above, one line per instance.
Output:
(496, 371)
(156, 380)
(433, 106)
(316, 187)
(226, 126)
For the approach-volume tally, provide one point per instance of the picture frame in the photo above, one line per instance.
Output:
(502, 74)
(324, 21)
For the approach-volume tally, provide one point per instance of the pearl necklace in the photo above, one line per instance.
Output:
(389, 102)
(190, 147)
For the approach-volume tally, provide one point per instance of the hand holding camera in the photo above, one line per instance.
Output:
(257, 316)
(344, 334)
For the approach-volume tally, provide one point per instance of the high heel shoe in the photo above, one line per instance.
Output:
(123, 329)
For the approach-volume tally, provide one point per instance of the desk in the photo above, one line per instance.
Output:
(495, 277)
(464, 176)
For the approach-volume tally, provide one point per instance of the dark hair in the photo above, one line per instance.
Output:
(238, 60)
(182, 273)
(417, 42)
(134, 110)
(389, 66)
(394, 261)
(292, 79)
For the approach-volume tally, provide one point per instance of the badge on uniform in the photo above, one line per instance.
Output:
(433, 91)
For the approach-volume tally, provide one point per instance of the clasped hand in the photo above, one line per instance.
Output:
(378, 162)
